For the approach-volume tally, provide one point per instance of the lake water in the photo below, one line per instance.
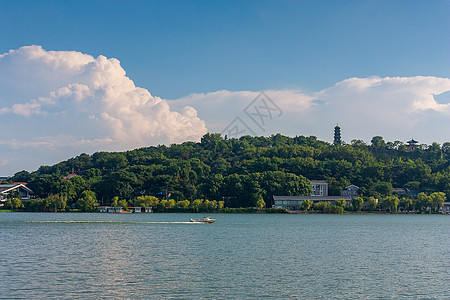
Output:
(248, 256)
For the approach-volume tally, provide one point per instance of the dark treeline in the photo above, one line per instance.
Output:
(241, 172)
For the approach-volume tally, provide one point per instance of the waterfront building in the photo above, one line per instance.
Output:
(18, 190)
(319, 193)
(445, 208)
(295, 202)
(319, 188)
(114, 209)
(118, 209)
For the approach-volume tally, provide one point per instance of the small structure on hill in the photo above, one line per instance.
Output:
(69, 176)
(412, 144)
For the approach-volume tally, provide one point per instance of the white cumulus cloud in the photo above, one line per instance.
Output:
(397, 108)
(89, 103)
(58, 104)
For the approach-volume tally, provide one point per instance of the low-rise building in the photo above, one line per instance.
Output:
(118, 209)
(319, 188)
(295, 202)
(445, 208)
(319, 193)
(138, 209)
(18, 190)
(69, 176)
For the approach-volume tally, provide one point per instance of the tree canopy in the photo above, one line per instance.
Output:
(241, 172)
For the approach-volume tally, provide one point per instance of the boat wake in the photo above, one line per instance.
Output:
(108, 222)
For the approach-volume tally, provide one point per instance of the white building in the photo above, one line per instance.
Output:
(319, 188)
(295, 202)
(18, 190)
(319, 193)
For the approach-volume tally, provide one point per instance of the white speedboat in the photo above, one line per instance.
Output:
(206, 220)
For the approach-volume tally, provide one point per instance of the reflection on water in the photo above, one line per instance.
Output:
(153, 256)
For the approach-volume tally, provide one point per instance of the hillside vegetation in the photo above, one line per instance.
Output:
(241, 172)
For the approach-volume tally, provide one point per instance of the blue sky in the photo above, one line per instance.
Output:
(175, 48)
(209, 54)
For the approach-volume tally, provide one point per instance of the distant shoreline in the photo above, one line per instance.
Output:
(236, 212)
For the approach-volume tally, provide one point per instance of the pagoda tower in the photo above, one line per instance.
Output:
(337, 135)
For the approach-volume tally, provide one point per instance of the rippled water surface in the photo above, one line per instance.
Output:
(161, 256)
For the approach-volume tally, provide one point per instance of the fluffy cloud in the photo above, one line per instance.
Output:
(221, 107)
(58, 104)
(396, 108)
(70, 102)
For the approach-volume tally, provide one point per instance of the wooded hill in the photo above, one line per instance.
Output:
(241, 171)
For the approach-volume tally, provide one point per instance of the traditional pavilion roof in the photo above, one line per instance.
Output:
(412, 141)
(352, 187)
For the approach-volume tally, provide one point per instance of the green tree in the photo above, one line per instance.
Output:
(183, 204)
(340, 202)
(123, 203)
(306, 205)
(196, 204)
(22, 176)
(424, 201)
(9, 204)
(144, 201)
(335, 187)
(357, 203)
(56, 202)
(333, 209)
(321, 206)
(437, 200)
(378, 142)
(115, 201)
(406, 204)
(87, 201)
(383, 188)
(171, 203)
(372, 203)
(260, 204)
(390, 203)
(358, 143)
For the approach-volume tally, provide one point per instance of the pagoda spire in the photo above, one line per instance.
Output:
(337, 135)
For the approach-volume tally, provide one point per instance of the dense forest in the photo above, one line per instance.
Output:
(241, 172)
